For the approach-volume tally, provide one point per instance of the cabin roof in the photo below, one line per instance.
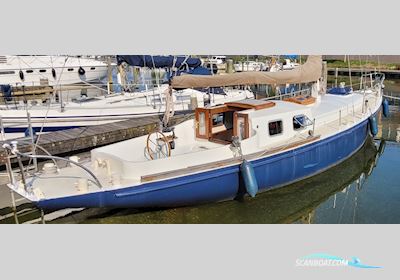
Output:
(251, 104)
(303, 100)
(282, 107)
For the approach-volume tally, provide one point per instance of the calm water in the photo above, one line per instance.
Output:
(363, 189)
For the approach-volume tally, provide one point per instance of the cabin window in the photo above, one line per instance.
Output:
(222, 126)
(92, 68)
(241, 128)
(298, 122)
(7, 72)
(29, 71)
(275, 127)
(223, 119)
(70, 69)
(218, 119)
(42, 70)
(301, 121)
(202, 123)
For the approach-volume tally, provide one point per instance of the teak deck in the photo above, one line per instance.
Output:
(251, 104)
(301, 100)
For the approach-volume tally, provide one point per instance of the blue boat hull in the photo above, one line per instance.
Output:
(226, 183)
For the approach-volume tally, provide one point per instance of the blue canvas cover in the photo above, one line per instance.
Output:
(195, 71)
(157, 61)
(291, 56)
(340, 90)
(6, 90)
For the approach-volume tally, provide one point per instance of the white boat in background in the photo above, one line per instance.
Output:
(280, 66)
(217, 59)
(289, 65)
(216, 63)
(59, 110)
(247, 66)
(31, 70)
(82, 111)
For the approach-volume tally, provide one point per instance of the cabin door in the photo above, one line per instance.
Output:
(241, 126)
(202, 123)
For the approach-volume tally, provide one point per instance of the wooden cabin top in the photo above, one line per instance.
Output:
(303, 100)
(251, 104)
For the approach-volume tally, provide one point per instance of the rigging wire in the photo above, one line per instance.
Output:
(379, 63)
(47, 111)
(349, 64)
(48, 106)
(344, 203)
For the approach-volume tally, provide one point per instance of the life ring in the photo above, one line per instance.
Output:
(21, 75)
(81, 71)
(53, 72)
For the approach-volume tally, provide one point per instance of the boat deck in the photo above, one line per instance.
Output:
(79, 139)
(121, 170)
(331, 120)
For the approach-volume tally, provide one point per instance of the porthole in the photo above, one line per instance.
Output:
(275, 127)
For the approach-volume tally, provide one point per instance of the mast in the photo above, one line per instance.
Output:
(62, 108)
(109, 73)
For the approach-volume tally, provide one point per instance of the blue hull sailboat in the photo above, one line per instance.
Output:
(227, 151)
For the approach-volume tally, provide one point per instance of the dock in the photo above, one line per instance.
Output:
(358, 71)
(81, 139)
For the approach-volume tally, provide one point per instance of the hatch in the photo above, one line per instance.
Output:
(303, 100)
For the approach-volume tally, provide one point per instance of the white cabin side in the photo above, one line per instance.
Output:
(277, 124)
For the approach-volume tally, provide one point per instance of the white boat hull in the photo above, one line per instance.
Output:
(38, 70)
(105, 110)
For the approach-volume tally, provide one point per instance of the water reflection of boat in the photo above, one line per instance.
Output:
(389, 128)
(294, 203)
